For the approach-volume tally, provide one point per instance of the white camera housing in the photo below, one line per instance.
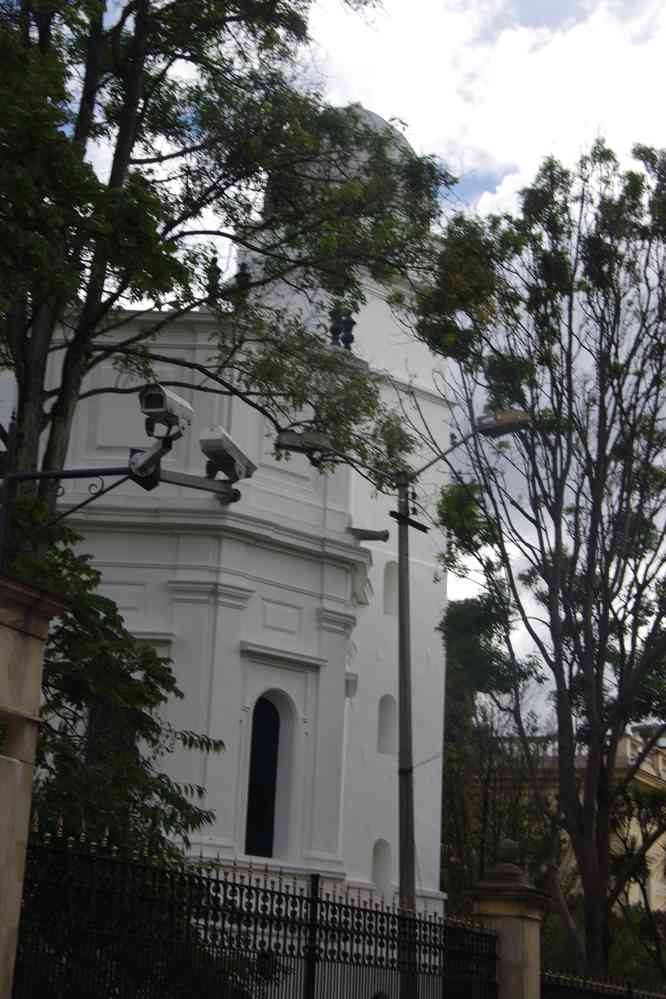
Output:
(162, 406)
(225, 455)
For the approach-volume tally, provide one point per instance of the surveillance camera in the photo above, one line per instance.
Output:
(162, 407)
(224, 455)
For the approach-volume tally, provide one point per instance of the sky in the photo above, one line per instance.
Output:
(493, 86)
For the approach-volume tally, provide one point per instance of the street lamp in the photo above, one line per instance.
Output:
(498, 425)
(313, 443)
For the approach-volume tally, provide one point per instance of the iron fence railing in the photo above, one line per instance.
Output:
(96, 925)
(560, 985)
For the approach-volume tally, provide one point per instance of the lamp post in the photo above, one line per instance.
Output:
(312, 443)
(497, 425)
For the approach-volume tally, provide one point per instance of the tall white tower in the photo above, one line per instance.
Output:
(282, 626)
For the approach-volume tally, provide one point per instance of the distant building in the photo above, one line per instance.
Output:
(650, 776)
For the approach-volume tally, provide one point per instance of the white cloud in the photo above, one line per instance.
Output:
(493, 86)
(483, 95)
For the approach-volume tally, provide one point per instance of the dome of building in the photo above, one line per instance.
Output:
(375, 121)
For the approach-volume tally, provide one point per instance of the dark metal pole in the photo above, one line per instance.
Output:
(310, 977)
(9, 490)
(406, 848)
(405, 752)
(70, 473)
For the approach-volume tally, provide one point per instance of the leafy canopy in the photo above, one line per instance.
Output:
(560, 311)
(143, 142)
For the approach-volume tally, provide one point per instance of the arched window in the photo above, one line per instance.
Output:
(267, 828)
(382, 866)
(387, 726)
(391, 589)
(260, 828)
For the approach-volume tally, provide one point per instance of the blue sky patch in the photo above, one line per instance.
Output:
(474, 183)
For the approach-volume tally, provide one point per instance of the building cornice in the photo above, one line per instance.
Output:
(267, 655)
(257, 530)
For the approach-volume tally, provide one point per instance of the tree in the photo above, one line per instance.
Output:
(192, 114)
(140, 143)
(102, 737)
(560, 310)
(638, 828)
(485, 784)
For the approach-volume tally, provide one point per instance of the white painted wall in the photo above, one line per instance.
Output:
(273, 594)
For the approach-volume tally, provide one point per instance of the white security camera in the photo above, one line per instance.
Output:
(162, 407)
(224, 455)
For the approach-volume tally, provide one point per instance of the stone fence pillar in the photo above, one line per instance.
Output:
(507, 902)
(24, 620)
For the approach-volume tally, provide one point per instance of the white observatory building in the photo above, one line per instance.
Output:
(282, 626)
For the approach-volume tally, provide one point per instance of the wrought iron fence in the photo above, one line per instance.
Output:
(557, 985)
(96, 925)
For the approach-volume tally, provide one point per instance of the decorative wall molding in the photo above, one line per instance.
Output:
(351, 685)
(278, 615)
(339, 622)
(192, 591)
(362, 588)
(269, 656)
(351, 655)
(148, 635)
(229, 595)
(201, 591)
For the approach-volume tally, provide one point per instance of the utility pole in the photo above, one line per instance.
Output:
(315, 444)
(405, 750)
(409, 982)
(407, 956)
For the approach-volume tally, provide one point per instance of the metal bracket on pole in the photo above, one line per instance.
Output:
(222, 488)
(404, 519)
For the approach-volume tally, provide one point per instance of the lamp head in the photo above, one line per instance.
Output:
(504, 421)
(308, 442)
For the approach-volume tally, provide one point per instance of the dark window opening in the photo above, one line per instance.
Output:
(263, 779)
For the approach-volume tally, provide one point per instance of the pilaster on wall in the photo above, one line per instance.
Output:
(208, 618)
(24, 621)
(325, 830)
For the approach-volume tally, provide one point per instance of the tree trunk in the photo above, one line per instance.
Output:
(61, 423)
(557, 895)
(596, 933)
